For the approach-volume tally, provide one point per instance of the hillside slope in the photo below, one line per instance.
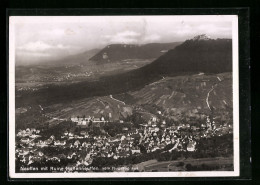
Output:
(210, 56)
(178, 98)
(120, 52)
(191, 57)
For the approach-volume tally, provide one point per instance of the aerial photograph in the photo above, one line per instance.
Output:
(106, 94)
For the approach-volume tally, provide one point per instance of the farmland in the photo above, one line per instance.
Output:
(219, 163)
(174, 97)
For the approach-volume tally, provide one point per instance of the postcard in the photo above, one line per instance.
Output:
(123, 96)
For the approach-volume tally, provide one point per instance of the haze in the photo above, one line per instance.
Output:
(45, 38)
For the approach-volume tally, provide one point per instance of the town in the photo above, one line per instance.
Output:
(90, 141)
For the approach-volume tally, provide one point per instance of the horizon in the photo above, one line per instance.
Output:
(41, 39)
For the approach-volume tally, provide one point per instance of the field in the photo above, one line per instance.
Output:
(97, 107)
(72, 72)
(185, 94)
(176, 97)
(224, 164)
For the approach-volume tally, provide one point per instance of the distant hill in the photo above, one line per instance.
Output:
(120, 52)
(191, 57)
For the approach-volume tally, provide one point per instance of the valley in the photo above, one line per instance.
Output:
(175, 110)
(182, 98)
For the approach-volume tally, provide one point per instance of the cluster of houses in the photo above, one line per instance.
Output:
(28, 135)
(70, 76)
(84, 147)
(27, 89)
(84, 122)
(61, 77)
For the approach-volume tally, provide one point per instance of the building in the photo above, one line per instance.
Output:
(191, 146)
(105, 56)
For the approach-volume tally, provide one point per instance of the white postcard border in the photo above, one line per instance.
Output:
(12, 174)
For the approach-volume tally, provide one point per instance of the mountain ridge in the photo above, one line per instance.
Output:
(191, 57)
(120, 52)
(209, 56)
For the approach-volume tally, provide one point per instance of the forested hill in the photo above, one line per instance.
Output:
(121, 52)
(193, 56)
(209, 56)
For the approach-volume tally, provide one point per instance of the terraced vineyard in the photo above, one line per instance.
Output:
(189, 95)
(197, 94)
(97, 107)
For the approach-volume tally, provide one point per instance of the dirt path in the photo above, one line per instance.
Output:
(212, 88)
(116, 99)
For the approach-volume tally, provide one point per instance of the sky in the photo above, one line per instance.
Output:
(46, 38)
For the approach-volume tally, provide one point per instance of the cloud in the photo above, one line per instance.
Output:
(55, 37)
(126, 37)
(151, 38)
(40, 46)
(188, 30)
(32, 54)
(58, 32)
(128, 34)
(41, 50)
(35, 46)
(211, 28)
(131, 37)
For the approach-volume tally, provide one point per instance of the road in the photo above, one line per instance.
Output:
(212, 88)
(101, 102)
(207, 99)
(158, 81)
(116, 99)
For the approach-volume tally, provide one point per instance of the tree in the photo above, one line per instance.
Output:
(189, 167)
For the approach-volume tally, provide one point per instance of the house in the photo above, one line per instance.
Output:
(125, 129)
(57, 142)
(41, 144)
(105, 56)
(128, 137)
(24, 140)
(203, 125)
(40, 154)
(74, 119)
(156, 129)
(136, 151)
(24, 152)
(48, 141)
(99, 144)
(34, 136)
(71, 134)
(83, 133)
(163, 126)
(84, 122)
(76, 143)
(191, 146)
